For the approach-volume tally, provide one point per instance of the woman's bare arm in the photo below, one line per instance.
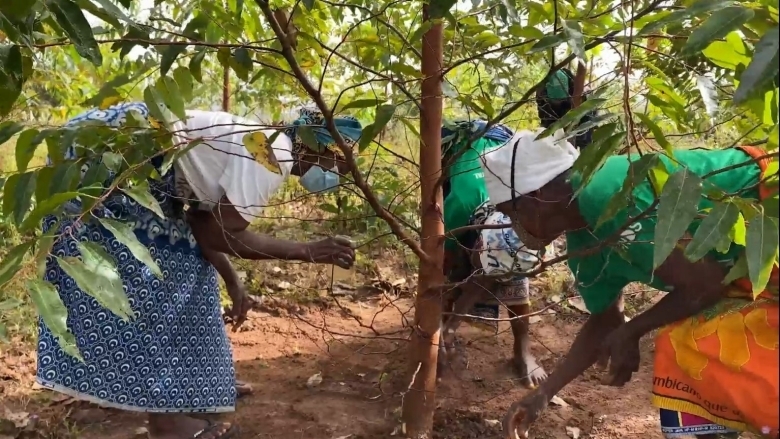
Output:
(221, 262)
(695, 286)
(224, 230)
(584, 350)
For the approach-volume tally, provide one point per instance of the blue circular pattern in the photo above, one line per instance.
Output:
(174, 356)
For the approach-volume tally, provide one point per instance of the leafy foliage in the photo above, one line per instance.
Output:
(60, 56)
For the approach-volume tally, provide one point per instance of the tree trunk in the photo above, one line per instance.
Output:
(226, 90)
(419, 401)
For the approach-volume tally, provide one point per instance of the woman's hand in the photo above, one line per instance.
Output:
(525, 412)
(241, 304)
(338, 250)
(621, 350)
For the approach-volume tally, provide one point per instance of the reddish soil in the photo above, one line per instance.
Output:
(362, 380)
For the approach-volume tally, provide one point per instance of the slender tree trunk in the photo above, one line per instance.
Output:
(226, 90)
(419, 401)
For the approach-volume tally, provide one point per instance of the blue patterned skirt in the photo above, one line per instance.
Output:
(174, 355)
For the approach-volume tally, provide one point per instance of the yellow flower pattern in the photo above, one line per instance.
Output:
(731, 332)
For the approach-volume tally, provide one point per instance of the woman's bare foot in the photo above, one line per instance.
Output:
(243, 389)
(178, 426)
(530, 372)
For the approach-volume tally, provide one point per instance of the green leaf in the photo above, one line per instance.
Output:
(439, 8)
(11, 77)
(171, 157)
(169, 91)
(10, 304)
(659, 175)
(717, 26)
(738, 271)
(197, 24)
(183, 79)
(196, 63)
(657, 133)
(26, 144)
(308, 137)
(12, 261)
(54, 314)
(22, 196)
(77, 28)
(3, 333)
(715, 226)
(697, 9)
(573, 33)
(383, 115)
(134, 37)
(242, 63)
(8, 130)
(761, 250)
(65, 178)
(168, 57)
(16, 9)
(125, 234)
(417, 35)
(112, 160)
(328, 207)
(362, 103)
(594, 156)
(728, 54)
(46, 207)
(677, 207)
(45, 244)
(140, 193)
(572, 117)
(9, 187)
(547, 42)
(108, 93)
(115, 12)
(96, 274)
(762, 68)
(637, 172)
(156, 104)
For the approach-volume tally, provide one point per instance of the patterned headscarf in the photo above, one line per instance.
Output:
(457, 132)
(349, 127)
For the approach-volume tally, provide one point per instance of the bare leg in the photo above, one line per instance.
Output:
(470, 295)
(179, 426)
(531, 373)
(580, 357)
(445, 340)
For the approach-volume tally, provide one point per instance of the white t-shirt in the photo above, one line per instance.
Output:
(222, 165)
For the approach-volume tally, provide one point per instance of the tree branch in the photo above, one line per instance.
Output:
(349, 156)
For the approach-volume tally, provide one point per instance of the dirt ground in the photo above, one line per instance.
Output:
(362, 379)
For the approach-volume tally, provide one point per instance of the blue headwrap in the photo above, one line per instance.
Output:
(459, 131)
(349, 127)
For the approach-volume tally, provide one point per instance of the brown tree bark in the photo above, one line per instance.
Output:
(419, 401)
(226, 90)
(579, 84)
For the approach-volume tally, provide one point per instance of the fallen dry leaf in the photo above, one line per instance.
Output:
(493, 423)
(314, 380)
(557, 400)
(579, 304)
(20, 419)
